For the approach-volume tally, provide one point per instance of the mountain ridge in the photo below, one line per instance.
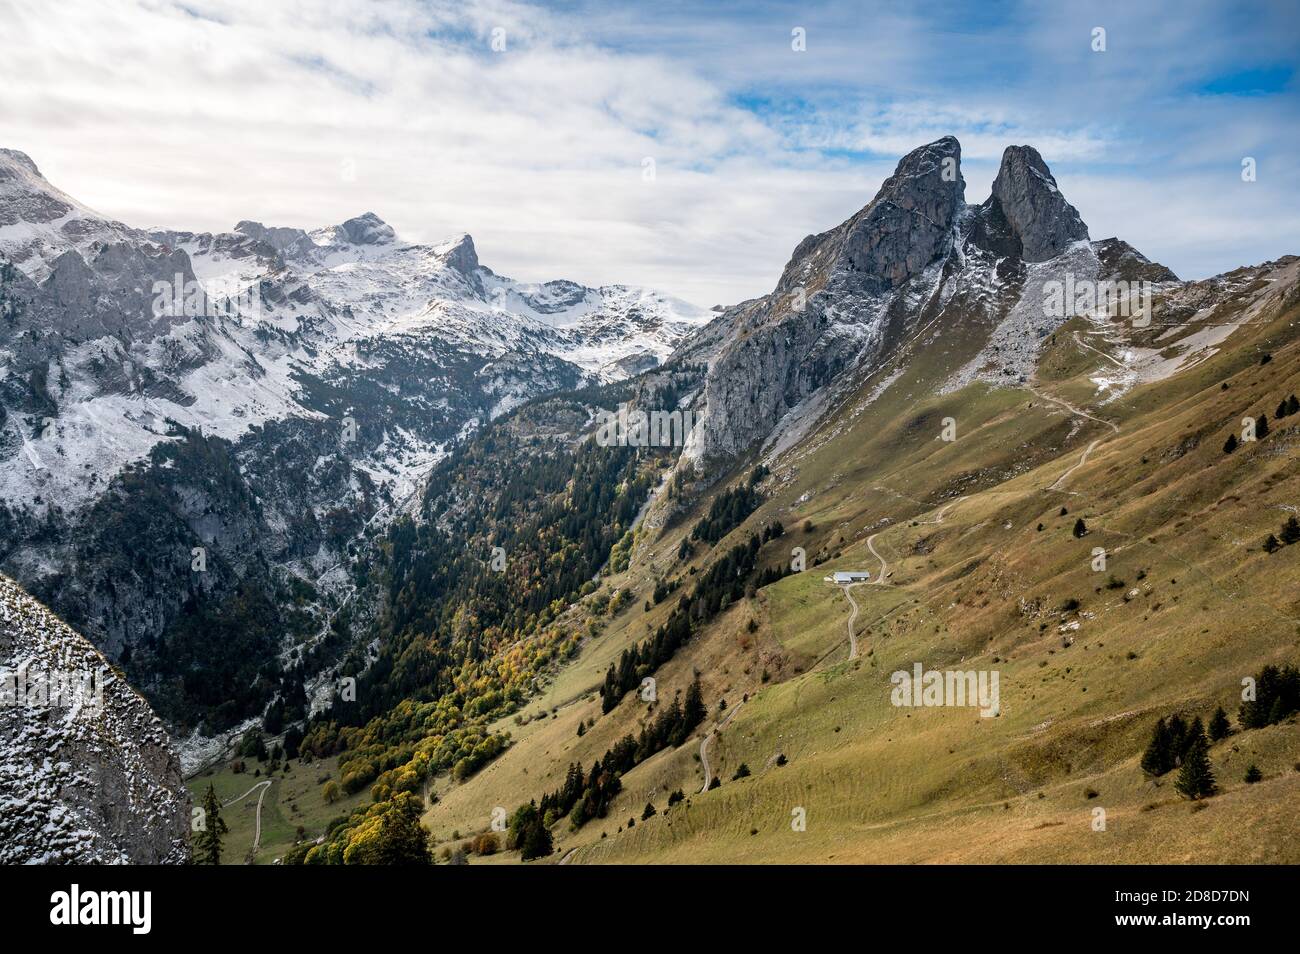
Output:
(917, 253)
(348, 359)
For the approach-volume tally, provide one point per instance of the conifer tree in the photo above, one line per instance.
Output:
(1253, 775)
(1261, 427)
(1291, 531)
(1195, 736)
(1219, 727)
(1292, 405)
(1156, 759)
(1230, 444)
(694, 710)
(537, 841)
(1080, 528)
(207, 842)
(1177, 740)
(1271, 544)
(1196, 778)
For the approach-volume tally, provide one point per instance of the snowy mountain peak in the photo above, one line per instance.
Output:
(287, 241)
(39, 222)
(14, 157)
(459, 253)
(366, 229)
(226, 332)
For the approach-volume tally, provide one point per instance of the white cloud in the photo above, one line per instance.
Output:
(199, 114)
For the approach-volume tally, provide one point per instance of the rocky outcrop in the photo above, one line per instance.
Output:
(835, 304)
(288, 241)
(1123, 262)
(909, 223)
(38, 222)
(1026, 194)
(368, 229)
(87, 773)
(461, 255)
(916, 255)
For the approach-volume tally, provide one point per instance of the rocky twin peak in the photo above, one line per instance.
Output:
(851, 296)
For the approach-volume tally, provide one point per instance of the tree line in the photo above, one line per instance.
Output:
(588, 795)
(726, 581)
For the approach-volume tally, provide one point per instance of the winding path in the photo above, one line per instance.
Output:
(943, 511)
(1083, 458)
(704, 748)
(884, 567)
(1072, 409)
(853, 616)
(1113, 360)
(265, 786)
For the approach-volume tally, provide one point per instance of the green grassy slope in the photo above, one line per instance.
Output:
(1187, 606)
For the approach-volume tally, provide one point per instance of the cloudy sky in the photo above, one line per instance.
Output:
(536, 127)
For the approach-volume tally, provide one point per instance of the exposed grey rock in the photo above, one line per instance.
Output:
(38, 222)
(288, 241)
(916, 258)
(87, 783)
(369, 229)
(463, 257)
(1026, 194)
(130, 437)
(19, 159)
(836, 304)
(909, 223)
(1123, 262)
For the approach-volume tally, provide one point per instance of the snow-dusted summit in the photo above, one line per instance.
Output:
(132, 332)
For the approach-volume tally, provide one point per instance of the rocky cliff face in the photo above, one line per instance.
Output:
(90, 778)
(834, 304)
(916, 257)
(1026, 194)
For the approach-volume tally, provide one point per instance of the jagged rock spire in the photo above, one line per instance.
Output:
(460, 254)
(909, 222)
(1039, 217)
